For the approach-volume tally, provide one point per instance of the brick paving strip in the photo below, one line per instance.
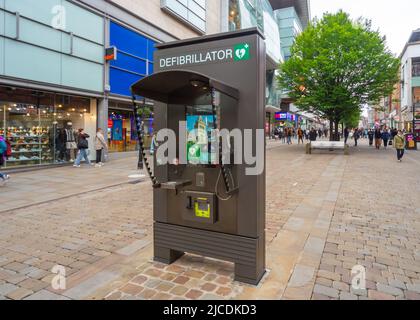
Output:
(375, 225)
(27, 189)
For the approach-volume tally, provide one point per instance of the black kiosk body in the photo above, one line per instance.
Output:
(201, 206)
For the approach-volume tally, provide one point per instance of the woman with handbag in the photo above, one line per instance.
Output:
(82, 145)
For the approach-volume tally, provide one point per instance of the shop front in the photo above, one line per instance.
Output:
(286, 119)
(122, 134)
(41, 127)
(133, 61)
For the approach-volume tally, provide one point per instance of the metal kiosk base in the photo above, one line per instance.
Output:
(171, 242)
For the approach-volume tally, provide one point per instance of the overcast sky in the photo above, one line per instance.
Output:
(396, 19)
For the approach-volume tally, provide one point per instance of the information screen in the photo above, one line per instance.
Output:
(201, 140)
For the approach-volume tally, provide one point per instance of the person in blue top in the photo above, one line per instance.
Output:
(385, 137)
(3, 150)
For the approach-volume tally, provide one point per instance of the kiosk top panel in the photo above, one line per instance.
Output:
(211, 37)
(162, 85)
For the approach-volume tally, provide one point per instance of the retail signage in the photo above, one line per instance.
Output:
(285, 116)
(410, 141)
(239, 52)
(111, 54)
(282, 116)
(117, 130)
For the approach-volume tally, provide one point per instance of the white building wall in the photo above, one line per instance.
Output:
(412, 51)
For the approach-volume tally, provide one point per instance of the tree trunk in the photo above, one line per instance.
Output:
(337, 135)
(331, 129)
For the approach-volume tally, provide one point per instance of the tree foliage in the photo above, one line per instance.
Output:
(352, 119)
(338, 65)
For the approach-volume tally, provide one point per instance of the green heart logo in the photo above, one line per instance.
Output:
(242, 52)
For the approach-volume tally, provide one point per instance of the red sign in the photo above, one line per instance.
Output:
(110, 123)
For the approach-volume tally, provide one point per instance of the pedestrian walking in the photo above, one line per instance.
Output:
(320, 133)
(313, 135)
(356, 136)
(82, 146)
(300, 136)
(378, 138)
(371, 136)
(284, 135)
(346, 135)
(289, 136)
(3, 152)
(399, 143)
(100, 147)
(385, 137)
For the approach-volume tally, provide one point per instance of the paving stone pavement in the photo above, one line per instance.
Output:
(376, 224)
(29, 188)
(326, 213)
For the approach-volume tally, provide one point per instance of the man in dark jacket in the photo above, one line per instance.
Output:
(313, 135)
(82, 145)
(371, 135)
(385, 137)
(356, 136)
(378, 138)
(346, 135)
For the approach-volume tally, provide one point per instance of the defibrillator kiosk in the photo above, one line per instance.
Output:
(204, 204)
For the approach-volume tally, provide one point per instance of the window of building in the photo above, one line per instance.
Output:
(403, 81)
(245, 14)
(122, 134)
(38, 125)
(416, 67)
(134, 59)
(193, 12)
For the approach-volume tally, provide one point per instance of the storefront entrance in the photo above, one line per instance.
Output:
(39, 125)
(122, 135)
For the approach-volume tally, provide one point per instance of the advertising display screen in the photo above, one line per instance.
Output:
(201, 140)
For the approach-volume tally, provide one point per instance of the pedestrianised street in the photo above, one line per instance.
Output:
(326, 214)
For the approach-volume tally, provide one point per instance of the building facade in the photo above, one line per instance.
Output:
(410, 84)
(274, 18)
(51, 74)
(56, 75)
(69, 64)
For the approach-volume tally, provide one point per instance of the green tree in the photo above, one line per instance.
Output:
(338, 65)
(352, 119)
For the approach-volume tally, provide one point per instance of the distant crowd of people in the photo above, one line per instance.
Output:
(100, 144)
(287, 135)
(379, 137)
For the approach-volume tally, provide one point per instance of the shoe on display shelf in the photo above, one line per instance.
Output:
(23, 158)
(12, 159)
